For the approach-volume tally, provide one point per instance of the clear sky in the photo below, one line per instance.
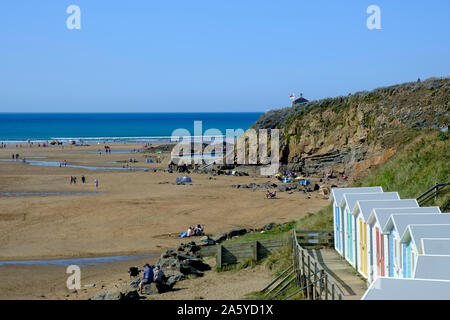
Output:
(211, 55)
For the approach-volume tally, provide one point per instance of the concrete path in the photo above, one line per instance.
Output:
(345, 276)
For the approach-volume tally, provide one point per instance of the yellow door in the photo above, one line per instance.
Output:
(361, 245)
(365, 249)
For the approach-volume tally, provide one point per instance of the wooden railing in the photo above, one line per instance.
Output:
(431, 193)
(305, 274)
(313, 280)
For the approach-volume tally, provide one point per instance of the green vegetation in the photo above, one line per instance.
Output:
(320, 220)
(277, 262)
(279, 231)
(249, 263)
(415, 168)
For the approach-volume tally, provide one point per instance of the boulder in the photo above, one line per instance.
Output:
(135, 283)
(269, 226)
(236, 232)
(218, 237)
(123, 293)
(100, 296)
(150, 289)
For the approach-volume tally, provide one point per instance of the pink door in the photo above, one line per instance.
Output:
(382, 254)
(378, 253)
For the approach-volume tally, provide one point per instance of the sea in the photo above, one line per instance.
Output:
(116, 127)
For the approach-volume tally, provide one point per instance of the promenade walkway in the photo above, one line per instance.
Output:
(344, 275)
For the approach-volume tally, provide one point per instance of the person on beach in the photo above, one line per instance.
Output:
(198, 230)
(148, 277)
(74, 180)
(96, 183)
(158, 277)
(190, 232)
(65, 163)
(71, 179)
(83, 179)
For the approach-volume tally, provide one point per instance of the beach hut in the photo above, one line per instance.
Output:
(363, 235)
(435, 246)
(338, 212)
(381, 243)
(407, 289)
(411, 239)
(432, 267)
(348, 202)
(396, 226)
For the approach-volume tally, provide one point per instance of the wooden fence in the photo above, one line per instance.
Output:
(232, 253)
(305, 274)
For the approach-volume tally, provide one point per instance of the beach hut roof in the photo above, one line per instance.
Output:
(407, 289)
(401, 221)
(432, 267)
(415, 232)
(365, 207)
(383, 214)
(337, 193)
(351, 198)
(432, 246)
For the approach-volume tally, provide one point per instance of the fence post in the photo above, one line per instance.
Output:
(308, 289)
(315, 279)
(219, 256)
(325, 279)
(255, 251)
(332, 292)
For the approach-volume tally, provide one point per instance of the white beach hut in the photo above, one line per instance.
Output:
(411, 240)
(381, 243)
(432, 267)
(363, 235)
(407, 289)
(435, 246)
(347, 204)
(395, 227)
(338, 212)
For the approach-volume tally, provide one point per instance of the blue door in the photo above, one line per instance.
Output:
(404, 260)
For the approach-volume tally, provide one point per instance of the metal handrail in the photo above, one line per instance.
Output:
(433, 191)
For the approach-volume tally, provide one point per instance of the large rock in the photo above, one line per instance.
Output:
(236, 232)
(150, 289)
(269, 226)
(135, 283)
(123, 293)
(218, 237)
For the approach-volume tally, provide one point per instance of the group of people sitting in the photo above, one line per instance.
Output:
(151, 274)
(286, 174)
(197, 231)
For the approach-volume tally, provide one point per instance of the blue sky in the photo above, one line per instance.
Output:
(211, 55)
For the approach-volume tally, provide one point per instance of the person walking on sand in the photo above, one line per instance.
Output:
(83, 179)
(71, 179)
(96, 183)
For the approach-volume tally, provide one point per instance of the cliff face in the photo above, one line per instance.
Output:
(354, 133)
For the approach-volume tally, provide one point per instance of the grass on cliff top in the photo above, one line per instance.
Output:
(415, 168)
(419, 163)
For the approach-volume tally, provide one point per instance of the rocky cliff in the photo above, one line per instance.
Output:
(350, 134)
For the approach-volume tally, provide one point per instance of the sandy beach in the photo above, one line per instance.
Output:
(131, 212)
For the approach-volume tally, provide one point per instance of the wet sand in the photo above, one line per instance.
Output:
(136, 212)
